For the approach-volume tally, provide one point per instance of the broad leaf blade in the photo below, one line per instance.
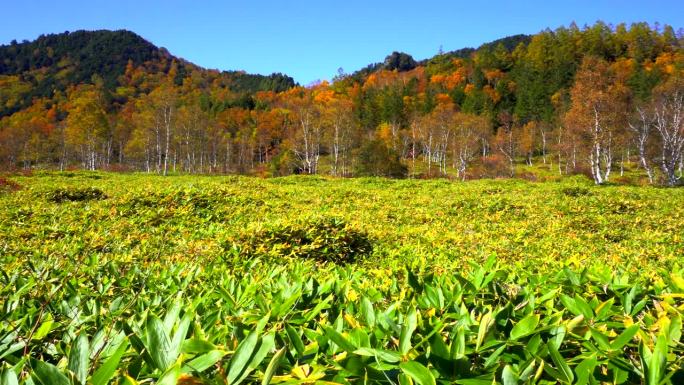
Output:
(272, 366)
(242, 356)
(418, 372)
(78, 358)
(105, 372)
(525, 327)
(566, 374)
(48, 374)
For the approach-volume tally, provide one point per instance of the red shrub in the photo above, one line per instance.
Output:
(8, 185)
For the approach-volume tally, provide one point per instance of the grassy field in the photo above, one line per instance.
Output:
(126, 279)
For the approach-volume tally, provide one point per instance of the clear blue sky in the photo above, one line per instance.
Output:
(310, 40)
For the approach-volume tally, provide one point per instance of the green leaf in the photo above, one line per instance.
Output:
(475, 381)
(6, 351)
(492, 359)
(601, 339)
(8, 377)
(295, 339)
(266, 344)
(158, 344)
(645, 356)
(624, 337)
(263, 322)
(584, 307)
(585, 370)
(457, 349)
(197, 346)
(242, 355)
(407, 329)
(78, 358)
(319, 307)
(339, 339)
(418, 372)
(179, 336)
(525, 327)
(204, 361)
(603, 310)
(368, 312)
(566, 374)
(406, 380)
(570, 304)
(272, 367)
(172, 316)
(170, 376)
(48, 374)
(528, 372)
(557, 335)
(658, 362)
(548, 295)
(438, 347)
(381, 355)
(485, 324)
(629, 298)
(508, 376)
(105, 372)
(44, 329)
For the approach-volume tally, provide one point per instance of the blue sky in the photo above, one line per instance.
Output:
(310, 40)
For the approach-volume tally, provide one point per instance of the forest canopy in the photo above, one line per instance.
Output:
(577, 100)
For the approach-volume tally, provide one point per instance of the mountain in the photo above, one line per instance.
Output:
(402, 62)
(112, 100)
(52, 63)
(80, 54)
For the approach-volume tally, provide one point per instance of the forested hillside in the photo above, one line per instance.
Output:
(53, 63)
(595, 100)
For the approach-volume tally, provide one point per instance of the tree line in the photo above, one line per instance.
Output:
(576, 100)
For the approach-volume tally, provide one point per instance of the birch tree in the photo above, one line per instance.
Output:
(668, 118)
(596, 115)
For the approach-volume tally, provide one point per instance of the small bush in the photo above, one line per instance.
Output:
(529, 176)
(75, 194)
(575, 191)
(582, 170)
(7, 185)
(494, 166)
(193, 199)
(329, 240)
(631, 180)
(377, 159)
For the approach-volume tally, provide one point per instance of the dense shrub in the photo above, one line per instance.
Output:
(493, 166)
(377, 159)
(575, 191)
(7, 185)
(325, 240)
(75, 194)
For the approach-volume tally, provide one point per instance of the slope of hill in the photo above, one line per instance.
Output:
(52, 63)
(112, 100)
(81, 54)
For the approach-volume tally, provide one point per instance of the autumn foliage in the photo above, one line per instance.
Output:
(599, 98)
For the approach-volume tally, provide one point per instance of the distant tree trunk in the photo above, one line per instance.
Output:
(543, 136)
(642, 131)
(167, 126)
(413, 149)
(669, 122)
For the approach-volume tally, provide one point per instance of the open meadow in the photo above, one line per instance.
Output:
(133, 279)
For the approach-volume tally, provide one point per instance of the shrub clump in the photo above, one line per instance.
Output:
(8, 185)
(576, 191)
(75, 194)
(327, 240)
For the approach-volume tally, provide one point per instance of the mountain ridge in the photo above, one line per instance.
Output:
(54, 62)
